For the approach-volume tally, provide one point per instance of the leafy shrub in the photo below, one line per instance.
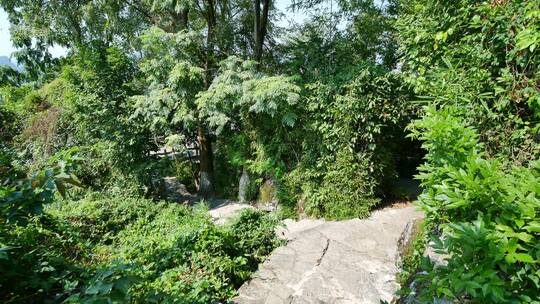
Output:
(36, 259)
(411, 253)
(26, 197)
(100, 218)
(448, 55)
(40, 261)
(346, 190)
(198, 262)
(9, 123)
(488, 215)
(108, 285)
(254, 232)
(128, 249)
(349, 143)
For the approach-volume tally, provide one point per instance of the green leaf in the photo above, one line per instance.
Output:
(523, 257)
(528, 38)
(289, 119)
(533, 227)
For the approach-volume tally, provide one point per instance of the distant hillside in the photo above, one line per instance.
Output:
(4, 60)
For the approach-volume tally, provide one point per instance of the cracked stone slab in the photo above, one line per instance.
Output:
(350, 261)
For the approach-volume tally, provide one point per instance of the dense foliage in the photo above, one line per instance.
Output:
(122, 248)
(351, 142)
(191, 79)
(478, 64)
(482, 57)
(229, 101)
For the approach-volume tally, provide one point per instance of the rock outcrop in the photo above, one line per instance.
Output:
(350, 261)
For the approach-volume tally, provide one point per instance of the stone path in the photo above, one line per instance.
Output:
(222, 211)
(350, 261)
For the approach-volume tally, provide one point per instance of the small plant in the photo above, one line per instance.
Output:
(108, 285)
(411, 254)
(27, 197)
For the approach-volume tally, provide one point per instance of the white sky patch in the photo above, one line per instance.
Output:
(300, 17)
(295, 17)
(6, 47)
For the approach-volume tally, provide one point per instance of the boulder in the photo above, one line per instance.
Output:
(268, 200)
(243, 186)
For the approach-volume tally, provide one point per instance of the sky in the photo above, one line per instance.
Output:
(6, 48)
(5, 44)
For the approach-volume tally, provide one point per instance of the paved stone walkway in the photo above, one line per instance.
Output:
(350, 261)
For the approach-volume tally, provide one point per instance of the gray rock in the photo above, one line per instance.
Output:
(350, 261)
(243, 186)
(205, 184)
(268, 200)
(221, 213)
(437, 258)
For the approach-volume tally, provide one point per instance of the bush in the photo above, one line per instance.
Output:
(488, 215)
(411, 253)
(346, 190)
(128, 249)
(37, 251)
(40, 262)
(100, 218)
(480, 130)
(350, 143)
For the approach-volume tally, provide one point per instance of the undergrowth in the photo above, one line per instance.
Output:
(412, 253)
(125, 249)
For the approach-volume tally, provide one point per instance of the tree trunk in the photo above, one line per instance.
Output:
(206, 165)
(260, 27)
(259, 32)
(257, 50)
(180, 20)
(206, 171)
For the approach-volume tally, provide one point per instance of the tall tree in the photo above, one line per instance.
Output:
(180, 59)
(260, 27)
(205, 141)
(75, 25)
